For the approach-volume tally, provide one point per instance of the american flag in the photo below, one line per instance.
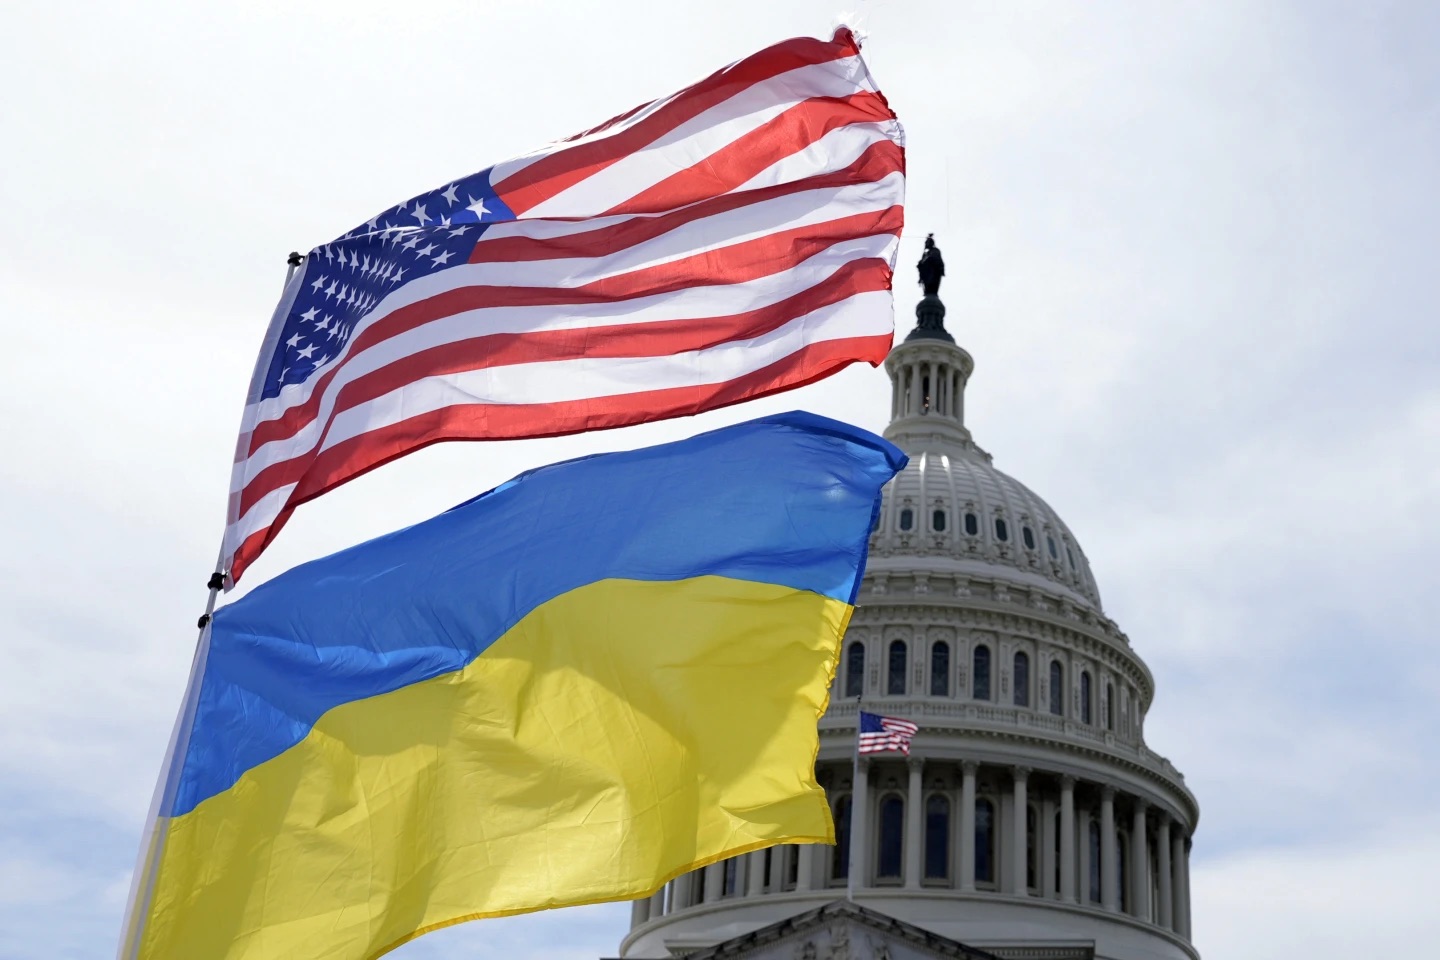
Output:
(878, 734)
(726, 242)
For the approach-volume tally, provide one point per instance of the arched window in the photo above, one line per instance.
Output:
(1002, 530)
(937, 521)
(895, 681)
(981, 673)
(1084, 696)
(1070, 556)
(769, 875)
(972, 525)
(1057, 688)
(940, 669)
(1094, 861)
(840, 868)
(1022, 679)
(892, 838)
(1050, 542)
(1032, 848)
(984, 841)
(1122, 847)
(731, 875)
(907, 519)
(937, 837)
(1109, 706)
(855, 669)
(1028, 536)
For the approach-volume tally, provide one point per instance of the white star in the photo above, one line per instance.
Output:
(373, 221)
(399, 272)
(478, 208)
(354, 260)
(365, 268)
(440, 260)
(426, 250)
(343, 290)
(444, 221)
(411, 243)
(458, 231)
(293, 341)
(324, 323)
(329, 254)
(419, 213)
(330, 290)
(334, 331)
(318, 284)
(449, 195)
(310, 314)
(307, 352)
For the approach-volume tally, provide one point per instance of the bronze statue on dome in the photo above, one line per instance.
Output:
(931, 267)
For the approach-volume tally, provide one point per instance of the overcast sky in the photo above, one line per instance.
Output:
(1192, 247)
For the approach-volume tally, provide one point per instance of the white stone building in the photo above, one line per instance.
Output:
(1030, 819)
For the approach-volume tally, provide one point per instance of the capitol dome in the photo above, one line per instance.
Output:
(1030, 819)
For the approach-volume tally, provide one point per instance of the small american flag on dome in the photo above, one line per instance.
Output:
(878, 734)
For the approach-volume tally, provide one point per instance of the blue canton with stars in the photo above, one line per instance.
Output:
(343, 281)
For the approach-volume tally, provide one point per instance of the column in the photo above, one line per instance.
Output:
(714, 881)
(1107, 847)
(914, 823)
(1048, 840)
(1139, 864)
(683, 892)
(859, 822)
(1162, 864)
(967, 825)
(807, 871)
(1084, 818)
(777, 865)
(657, 903)
(1185, 891)
(895, 394)
(1019, 833)
(1067, 839)
(755, 873)
(914, 370)
(639, 912)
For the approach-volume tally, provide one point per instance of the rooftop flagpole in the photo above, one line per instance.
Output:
(152, 841)
(854, 809)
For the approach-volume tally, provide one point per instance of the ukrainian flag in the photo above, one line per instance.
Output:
(570, 689)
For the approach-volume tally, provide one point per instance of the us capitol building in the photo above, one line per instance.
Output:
(1030, 819)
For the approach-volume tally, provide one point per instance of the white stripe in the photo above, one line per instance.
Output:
(835, 151)
(866, 314)
(702, 135)
(807, 208)
(675, 306)
(261, 514)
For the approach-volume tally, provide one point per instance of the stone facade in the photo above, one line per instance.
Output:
(1030, 819)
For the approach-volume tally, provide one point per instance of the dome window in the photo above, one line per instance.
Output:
(1050, 542)
(1022, 679)
(940, 669)
(1070, 556)
(907, 519)
(980, 669)
(1057, 688)
(1109, 706)
(1002, 530)
(937, 837)
(892, 838)
(985, 841)
(895, 682)
(972, 525)
(937, 521)
(855, 670)
(1028, 536)
(841, 865)
(1085, 696)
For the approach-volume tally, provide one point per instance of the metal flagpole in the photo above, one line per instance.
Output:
(854, 810)
(142, 882)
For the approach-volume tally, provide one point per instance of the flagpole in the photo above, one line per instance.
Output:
(142, 881)
(854, 810)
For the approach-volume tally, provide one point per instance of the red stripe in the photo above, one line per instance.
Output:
(743, 159)
(878, 161)
(546, 177)
(738, 263)
(622, 340)
(364, 453)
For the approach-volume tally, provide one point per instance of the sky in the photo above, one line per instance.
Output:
(1191, 246)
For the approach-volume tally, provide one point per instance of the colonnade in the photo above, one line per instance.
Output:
(1022, 832)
